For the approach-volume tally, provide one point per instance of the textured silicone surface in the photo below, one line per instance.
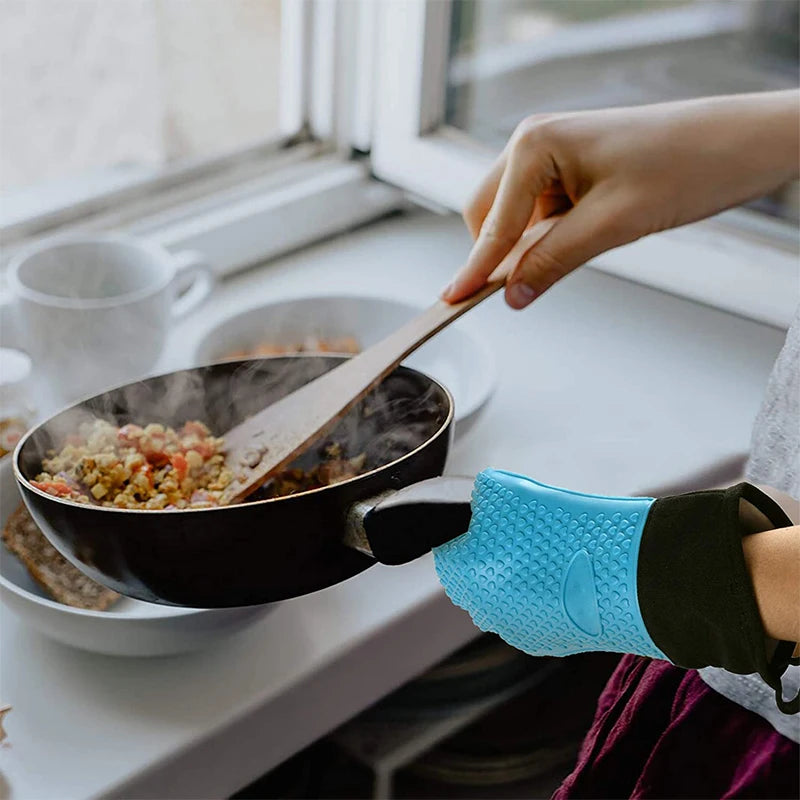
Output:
(553, 572)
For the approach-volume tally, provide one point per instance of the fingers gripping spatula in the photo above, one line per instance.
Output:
(270, 440)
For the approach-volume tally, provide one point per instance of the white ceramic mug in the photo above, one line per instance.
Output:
(94, 311)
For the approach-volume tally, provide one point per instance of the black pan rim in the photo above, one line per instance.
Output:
(28, 486)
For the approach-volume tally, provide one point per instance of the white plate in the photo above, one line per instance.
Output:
(455, 357)
(129, 628)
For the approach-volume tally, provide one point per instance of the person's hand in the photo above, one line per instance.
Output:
(617, 175)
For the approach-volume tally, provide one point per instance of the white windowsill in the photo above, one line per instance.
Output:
(244, 215)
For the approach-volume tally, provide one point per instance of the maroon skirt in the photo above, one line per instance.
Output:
(659, 731)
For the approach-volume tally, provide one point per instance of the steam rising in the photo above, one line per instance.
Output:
(395, 418)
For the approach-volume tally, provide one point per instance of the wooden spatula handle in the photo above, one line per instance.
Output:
(404, 341)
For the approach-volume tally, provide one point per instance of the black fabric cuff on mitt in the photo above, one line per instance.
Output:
(694, 589)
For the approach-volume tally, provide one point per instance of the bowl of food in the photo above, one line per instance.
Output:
(51, 595)
(347, 324)
(128, 485)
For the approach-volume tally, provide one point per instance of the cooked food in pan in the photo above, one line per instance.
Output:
(151, 467)
(102, 454)
(156, 467)
(63, 582)
(311, 344)
(333, 467)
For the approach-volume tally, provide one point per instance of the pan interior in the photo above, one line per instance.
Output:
(405, 411)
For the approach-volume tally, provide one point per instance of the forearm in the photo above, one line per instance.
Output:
(772, 558)
(773, 561)
(751, 142)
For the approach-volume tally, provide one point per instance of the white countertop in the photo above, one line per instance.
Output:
(604, 386)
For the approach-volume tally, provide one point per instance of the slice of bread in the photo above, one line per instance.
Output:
(60, 579)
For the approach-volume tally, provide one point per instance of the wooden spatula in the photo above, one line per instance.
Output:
(268, 441)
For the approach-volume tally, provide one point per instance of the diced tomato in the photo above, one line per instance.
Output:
(53, 487)
(206, 449)
(158, 458)
(180, 465)
(152, 448)
(196, 428)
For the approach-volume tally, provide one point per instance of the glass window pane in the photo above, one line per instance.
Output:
(95, 92)
(512, 58)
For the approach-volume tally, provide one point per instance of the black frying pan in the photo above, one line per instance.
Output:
(262, 550)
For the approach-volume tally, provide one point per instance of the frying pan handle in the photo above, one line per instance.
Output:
(399, 526)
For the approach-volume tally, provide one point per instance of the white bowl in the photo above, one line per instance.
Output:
(454, 357)
(129, 628)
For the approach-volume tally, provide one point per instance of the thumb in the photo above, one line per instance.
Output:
(579, 235)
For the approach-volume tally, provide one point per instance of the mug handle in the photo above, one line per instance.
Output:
(192, 270)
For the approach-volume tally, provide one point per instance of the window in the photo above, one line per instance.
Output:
(511, 58)
(182, 120)
(454, 77)
(96, 93)
(244, 128)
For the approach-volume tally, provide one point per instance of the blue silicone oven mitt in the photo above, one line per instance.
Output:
(553, 572)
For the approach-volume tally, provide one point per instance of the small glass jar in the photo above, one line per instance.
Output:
(16, 410)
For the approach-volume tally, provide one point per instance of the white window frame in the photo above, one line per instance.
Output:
(258, 202)
(749, 262)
